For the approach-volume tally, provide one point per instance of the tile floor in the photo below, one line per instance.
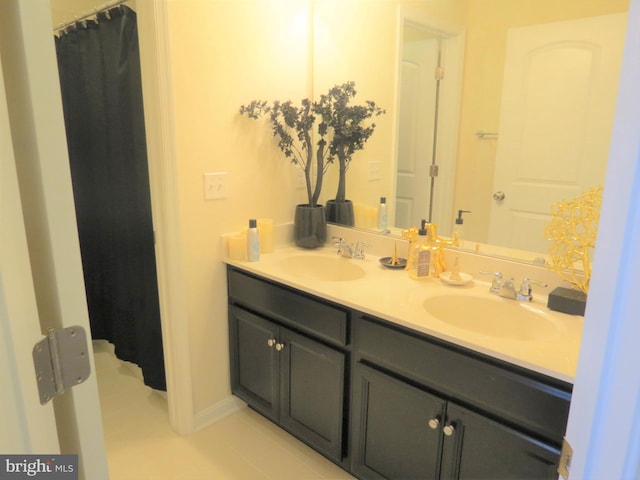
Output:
(142, 446)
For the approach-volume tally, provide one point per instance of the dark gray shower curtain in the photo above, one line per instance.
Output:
(99, 67)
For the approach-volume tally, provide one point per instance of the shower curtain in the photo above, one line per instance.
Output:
(99, 69)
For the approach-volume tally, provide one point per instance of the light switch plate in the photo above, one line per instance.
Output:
(215, 185)
(374, 170)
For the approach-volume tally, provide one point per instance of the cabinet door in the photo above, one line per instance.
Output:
(312, 392)
(393, 438)
(479, 448)
(254, 367)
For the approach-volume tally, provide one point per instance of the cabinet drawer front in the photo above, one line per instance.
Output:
(295, 309)
(519, 397)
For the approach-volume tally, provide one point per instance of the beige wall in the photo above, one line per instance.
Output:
(223, 55)
(488, 21)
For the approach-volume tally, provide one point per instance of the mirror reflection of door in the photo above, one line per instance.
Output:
(558, 102)
(416, 125)
(428, 112)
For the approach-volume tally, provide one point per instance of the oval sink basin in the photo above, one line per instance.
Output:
(322, 267)
(493, 316)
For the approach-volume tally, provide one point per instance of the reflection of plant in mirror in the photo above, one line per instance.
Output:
(573, 230)
(288, 120)
(347, 123)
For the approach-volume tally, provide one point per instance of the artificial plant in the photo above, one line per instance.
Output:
(333, 117)
(348, 126)
(294, 127)
(573, 231)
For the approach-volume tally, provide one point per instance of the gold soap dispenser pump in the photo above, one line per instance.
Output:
(458, 229)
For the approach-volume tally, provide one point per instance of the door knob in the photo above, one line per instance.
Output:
(279, 346)
(499, 196)
(271, 342)
(449, 430)
(434, 423)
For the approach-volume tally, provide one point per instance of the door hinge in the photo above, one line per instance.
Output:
(439, 73)
(433, 170)
(565, 459)
(61, 360)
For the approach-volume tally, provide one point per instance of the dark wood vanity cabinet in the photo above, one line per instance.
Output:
(387, 402)
(283, 364)
(424, 411)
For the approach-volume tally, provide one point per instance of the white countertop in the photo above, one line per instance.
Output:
(392, 295)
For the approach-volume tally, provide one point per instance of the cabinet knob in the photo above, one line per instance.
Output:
(434, 423)
(271, 342)
(449, 430)
(279, 346)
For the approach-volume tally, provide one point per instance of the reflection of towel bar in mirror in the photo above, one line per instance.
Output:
(482, 134)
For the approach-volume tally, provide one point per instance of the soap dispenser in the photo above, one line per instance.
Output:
(382, 213)
(420, 255)
(253, 241)
(458, 229)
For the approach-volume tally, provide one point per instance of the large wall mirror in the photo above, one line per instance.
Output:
(519, 115)
(520, 118)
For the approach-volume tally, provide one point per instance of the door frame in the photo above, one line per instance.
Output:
(31, 426)
(38, 164)
(155, 64)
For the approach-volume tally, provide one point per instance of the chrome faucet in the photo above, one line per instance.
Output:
(507, 289)
(347, 250)
(496, 283)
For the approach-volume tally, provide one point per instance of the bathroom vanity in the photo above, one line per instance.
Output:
(356, 367)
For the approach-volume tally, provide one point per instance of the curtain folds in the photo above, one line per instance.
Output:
(99, 67)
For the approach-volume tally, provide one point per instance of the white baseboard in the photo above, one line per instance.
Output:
(217, 412)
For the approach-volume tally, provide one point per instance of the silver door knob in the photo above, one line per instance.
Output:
(449, 430)
(279, 346)
(434, 423)
(499, 196)
(271, 342)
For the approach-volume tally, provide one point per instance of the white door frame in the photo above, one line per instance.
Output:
(27, 426)
(36, 123)
(153, 34)
(604, 419)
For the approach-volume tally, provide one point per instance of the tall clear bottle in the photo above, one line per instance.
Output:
(382, 213)
(253, 241)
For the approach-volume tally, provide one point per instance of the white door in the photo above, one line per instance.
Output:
(41, 283)
(27, 426)
(416, 127)
(558, 102)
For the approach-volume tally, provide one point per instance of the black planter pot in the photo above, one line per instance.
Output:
(310, 226)
(340, 212)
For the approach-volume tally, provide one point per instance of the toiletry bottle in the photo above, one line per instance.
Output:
(420, 255)
(458, 229)
(382, 213)
(253, 241)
